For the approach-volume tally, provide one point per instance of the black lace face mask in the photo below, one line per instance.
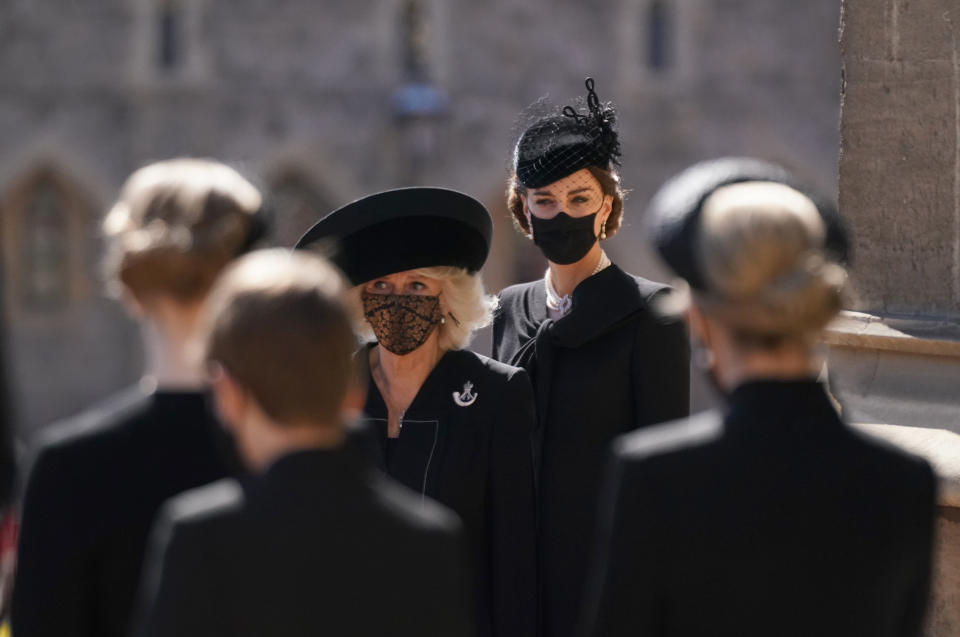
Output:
(401, 322)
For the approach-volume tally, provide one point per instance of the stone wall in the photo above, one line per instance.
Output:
(896, 361)
(295, 87)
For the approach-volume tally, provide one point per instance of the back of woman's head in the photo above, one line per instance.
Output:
(176, 225)
(768, 277)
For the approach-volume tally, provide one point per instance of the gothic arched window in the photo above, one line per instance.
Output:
(45, 248)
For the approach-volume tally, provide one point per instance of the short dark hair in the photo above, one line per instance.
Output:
(277, 323)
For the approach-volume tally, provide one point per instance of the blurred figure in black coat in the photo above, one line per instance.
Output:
(99, 479)
(8, 518)
(772, 517)
(319, 543)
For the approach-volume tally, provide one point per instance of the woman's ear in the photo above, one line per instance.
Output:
(607, 208)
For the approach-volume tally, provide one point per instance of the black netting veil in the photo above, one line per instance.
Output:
(560, 142)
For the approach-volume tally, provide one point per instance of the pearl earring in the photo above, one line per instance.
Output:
(603, 231)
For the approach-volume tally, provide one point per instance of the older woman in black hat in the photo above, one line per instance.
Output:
(450, 424)
(771, 516)
(602, 363)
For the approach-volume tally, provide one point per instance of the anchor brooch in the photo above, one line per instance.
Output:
(467, 397)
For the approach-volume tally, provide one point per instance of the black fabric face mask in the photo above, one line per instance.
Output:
(564, 239)
(401, 322)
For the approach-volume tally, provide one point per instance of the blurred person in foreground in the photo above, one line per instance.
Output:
(602, 362)
(98, 479)
(8, 514)
(318, 543)
(772, 516)
(449, 423)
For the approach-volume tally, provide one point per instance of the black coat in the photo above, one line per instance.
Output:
(321, 544)
(95, 487)
(609, 366)
(475, 459)
(775, 520)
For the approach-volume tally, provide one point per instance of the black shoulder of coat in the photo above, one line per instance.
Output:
(512, 293)
(517, 300)
(85, 434)
(649, 290)
(894, 459)
(209, 502)
(667, 438)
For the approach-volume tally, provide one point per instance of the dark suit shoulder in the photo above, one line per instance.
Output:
(93, 429)
(893, 460)
(411, 510)
(198, 506)
(650, 289)
(672, 437)
(517, 291)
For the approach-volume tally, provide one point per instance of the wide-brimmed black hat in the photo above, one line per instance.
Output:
(403, 229)
(562, 143)
(674, 212)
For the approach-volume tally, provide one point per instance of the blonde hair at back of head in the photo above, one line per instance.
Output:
(278, 323)
(466, 306)
(761, 247)
(175, 226)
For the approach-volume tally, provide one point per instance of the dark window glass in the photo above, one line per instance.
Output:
(659, 25)
(414, 40)
(169, 25)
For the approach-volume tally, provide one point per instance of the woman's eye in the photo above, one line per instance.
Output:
(417, 286)
(379, 285)
(580, 199)
(543, 202)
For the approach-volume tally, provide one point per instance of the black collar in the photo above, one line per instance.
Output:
(782, 406)
(601, 303)
(305, 474)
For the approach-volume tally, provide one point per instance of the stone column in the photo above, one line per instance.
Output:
(900, 191)
(895, 360)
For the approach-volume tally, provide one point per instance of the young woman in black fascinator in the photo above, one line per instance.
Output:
(601, 360)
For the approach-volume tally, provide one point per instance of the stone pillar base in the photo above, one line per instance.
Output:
(896, 371)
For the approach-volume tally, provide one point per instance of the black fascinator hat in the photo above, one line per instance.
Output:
(403, 229)
(561, 144)
(674, 212)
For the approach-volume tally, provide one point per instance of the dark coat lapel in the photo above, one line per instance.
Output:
(601, 303)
